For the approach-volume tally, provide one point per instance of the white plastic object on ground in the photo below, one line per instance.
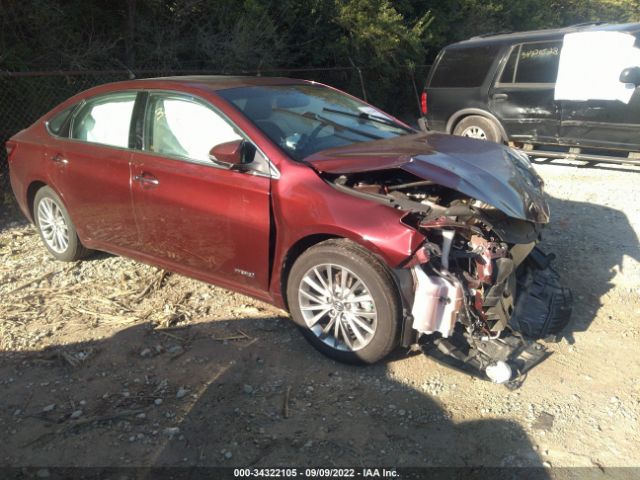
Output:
(499, 372)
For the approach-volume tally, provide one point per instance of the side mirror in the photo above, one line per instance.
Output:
(229, 154)
(630, 75)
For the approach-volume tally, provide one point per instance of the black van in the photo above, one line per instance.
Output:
(502, 87)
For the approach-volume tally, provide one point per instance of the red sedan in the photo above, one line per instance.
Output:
(371, 234)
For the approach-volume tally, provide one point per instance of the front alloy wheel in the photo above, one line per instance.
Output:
(345, 301)
(338, 307)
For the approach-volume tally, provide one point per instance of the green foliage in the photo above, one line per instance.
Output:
(390, 41)
(376, 33)
(459, 19)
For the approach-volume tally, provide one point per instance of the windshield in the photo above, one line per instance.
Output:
(304, 119)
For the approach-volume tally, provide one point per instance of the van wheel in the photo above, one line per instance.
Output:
(56, 228)
(345, 301)
(481, 128)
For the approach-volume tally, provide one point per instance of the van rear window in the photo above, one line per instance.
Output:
(466, 67)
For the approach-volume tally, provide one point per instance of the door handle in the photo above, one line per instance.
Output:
(59, 159)
(500, 96)
(146, 179)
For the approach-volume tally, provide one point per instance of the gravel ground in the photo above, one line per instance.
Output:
(109, 362)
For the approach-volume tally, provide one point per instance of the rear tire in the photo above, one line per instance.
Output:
(480, 128)
(337, 282)
(56, 229)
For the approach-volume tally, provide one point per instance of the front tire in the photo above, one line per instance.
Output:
(480, 128)
(56, 228)
(345, 301)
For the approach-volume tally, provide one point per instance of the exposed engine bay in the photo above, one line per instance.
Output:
(483, 292)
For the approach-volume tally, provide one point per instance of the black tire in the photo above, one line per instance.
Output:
(483, 125)
(74, 250)
(377, 280)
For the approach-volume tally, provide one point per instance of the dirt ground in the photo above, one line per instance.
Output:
(109, 362)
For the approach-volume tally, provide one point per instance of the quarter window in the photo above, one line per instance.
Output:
(105, 120)
(466, 67)
(181, 127)
(59, 124)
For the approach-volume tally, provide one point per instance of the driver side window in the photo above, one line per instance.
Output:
(184, 128)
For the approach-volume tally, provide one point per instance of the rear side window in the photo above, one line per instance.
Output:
(533, 63)
(466, 67)
(59, 124)
(105, 120)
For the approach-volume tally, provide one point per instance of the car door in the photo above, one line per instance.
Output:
(609, 124)
(522, 97)
(192, 213)
(90, 170)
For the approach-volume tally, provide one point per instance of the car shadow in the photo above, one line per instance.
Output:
(590, 242)
(245, 392)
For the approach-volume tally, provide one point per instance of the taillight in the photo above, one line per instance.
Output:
(10, 146)
(423, 103)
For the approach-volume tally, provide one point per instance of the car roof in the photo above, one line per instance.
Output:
(188, 83)
(541, 35)
(220, 82)
(207, 82)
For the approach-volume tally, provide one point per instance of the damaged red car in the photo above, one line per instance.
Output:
(371, 234)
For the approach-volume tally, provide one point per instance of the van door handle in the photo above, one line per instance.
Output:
(146, 179)
(60, 159)
(500, 96)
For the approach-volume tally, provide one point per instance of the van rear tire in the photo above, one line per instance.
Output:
(480, 128)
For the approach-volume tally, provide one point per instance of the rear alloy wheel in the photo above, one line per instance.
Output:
(480, 128)
(56, 229)
(345, 301)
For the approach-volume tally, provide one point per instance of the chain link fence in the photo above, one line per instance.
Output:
(26, 96)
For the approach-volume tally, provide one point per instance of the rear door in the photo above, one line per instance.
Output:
(90, 170)
(609, 124)
(192, 213)
(602, 123)
(522, 96)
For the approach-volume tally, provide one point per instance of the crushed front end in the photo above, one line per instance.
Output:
(483, 291)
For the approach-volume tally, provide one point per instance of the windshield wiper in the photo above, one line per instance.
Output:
(327, 121)
(368, 116)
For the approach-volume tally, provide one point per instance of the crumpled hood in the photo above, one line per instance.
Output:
(482, 170)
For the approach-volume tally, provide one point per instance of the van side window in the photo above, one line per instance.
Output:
(538, 62)
(466, 67)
